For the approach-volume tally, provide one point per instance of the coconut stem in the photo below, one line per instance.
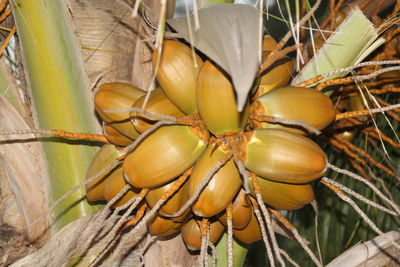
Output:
(203, 261)
(271, 119)
(108, 242)
(364, 154)
(359, 211)
(8, 38)
(358, 113)
(358, 196)
(57, 133)
(368, 183)
(213, 254)
(229, 211)
(288, 258)
(267, 218)
(263, 232)
(296, 234)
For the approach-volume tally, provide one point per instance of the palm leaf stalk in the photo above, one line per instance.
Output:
(58, 85)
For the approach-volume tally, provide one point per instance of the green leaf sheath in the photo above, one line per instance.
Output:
(61, 99)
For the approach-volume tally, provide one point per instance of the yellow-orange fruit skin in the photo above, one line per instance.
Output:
(357, 103)
(163, 227)
(163, 156)
(113, 185)
(116, 96)
(216, 102)
(158, 103)
(295, 103)
(275, 76)
(173, 204)
(177, 74)
(187, 215)
(103, 157)
(115, 137)
(268, 43)
(241, 212)
(221, 189)
(284, 196)
(192, 237)
(251, 233)
(286, 157)
(394, 74)
(347, 135)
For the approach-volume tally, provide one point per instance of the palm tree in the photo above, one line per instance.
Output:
(68, 50)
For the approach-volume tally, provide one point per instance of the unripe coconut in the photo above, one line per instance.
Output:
(173, 204)
(114, 184)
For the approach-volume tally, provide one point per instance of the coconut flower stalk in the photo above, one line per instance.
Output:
(61, 100)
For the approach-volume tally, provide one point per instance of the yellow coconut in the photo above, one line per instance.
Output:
(103, 157)
(283, 156)
(242, 211)
(117, 96)
(269, 43)
(192, 236)
(113, 186)
(177, 74)
(357, 103)
(284, 196)
(163, 227)
(187, 215)
(295, 103)
(216, 102)
(221, 189)
(158, 103)
(173, 204)
(164, 155)
(278, 74)
(251, 233)
(115, 137)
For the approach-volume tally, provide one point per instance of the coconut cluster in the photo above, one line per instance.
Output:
(209, 157)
